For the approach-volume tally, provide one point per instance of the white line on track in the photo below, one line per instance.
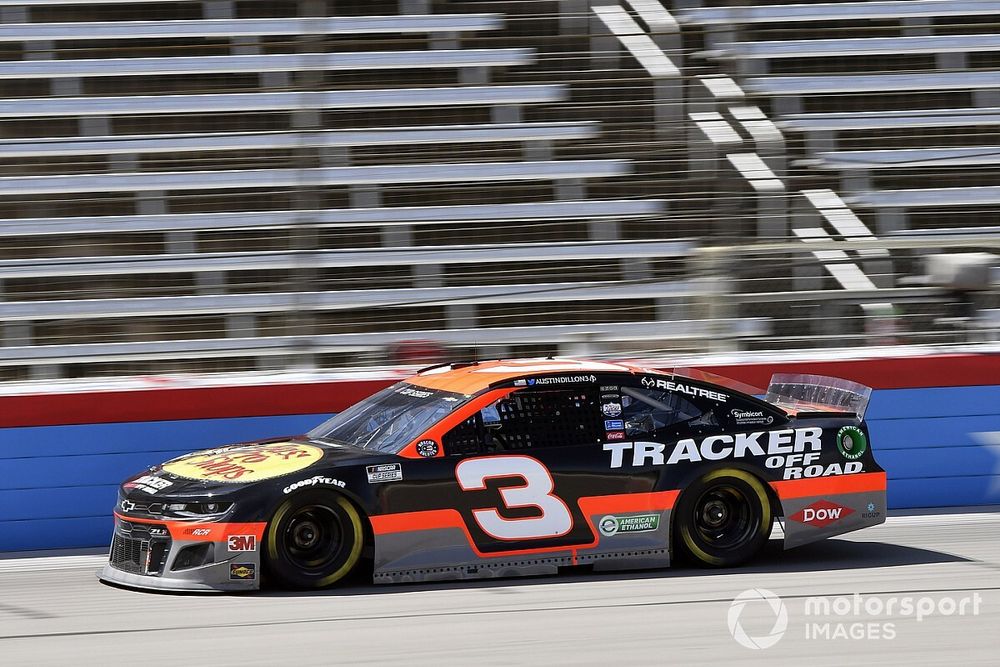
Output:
(44, 563)
(40, 564)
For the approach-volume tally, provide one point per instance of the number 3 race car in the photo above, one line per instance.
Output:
(503, 468)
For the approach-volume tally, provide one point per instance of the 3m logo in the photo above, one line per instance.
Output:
(821, 513)
(243, 543)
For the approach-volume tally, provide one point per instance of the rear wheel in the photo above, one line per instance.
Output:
(723, 518)
(314, 539)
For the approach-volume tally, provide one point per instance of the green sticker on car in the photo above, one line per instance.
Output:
(636, 523)
(851, 442)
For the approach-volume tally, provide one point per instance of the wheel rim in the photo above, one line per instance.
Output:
(312, 538)
(724, 517)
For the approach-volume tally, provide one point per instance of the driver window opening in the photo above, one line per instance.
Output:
(647, 412)
(528, 420)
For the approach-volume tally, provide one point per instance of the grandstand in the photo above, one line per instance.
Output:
(229, 184)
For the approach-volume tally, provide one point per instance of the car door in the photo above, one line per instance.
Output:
(522, 474)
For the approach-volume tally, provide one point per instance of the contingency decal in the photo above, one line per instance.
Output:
(245, 463)
(821, 513)
(797, 451)
(851, 442)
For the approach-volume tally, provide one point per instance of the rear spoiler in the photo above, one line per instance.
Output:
(818, 393)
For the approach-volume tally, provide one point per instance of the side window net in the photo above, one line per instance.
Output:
(647, 412)
(530, 419)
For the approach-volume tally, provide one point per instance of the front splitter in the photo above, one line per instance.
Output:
(112, 575)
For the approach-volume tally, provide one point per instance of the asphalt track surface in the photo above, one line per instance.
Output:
(54, 611)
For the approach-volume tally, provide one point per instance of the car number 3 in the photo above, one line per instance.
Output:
(555, 519)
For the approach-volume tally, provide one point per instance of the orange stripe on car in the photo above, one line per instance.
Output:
(830, 486)
(403, 522)
(629, 502)
(192, 531)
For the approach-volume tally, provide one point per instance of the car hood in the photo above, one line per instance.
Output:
(217, 471)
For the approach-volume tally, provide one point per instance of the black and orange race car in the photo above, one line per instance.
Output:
(502, 468)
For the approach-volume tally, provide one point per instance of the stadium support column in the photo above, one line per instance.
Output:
(712, 275)
(307, 198)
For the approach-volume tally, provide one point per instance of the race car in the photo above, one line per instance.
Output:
(504, 468)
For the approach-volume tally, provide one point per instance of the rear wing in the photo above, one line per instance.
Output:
(818, 393)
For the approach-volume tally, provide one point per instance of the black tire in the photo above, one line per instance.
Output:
(313, 540)
(723, 518)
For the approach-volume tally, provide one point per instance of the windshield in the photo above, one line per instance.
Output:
(389, 420)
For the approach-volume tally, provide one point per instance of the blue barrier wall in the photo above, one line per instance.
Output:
(58, 484)
(941, 447)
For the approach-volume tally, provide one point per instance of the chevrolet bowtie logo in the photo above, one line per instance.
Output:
(127, 506)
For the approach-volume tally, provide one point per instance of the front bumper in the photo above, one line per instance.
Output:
(184, 555)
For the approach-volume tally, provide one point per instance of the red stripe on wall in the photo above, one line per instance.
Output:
(189, 403)
(162, 404)
(952, 370)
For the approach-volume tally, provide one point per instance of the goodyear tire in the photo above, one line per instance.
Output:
(314, 539)
(723, 518)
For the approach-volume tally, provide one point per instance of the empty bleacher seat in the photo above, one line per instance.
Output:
(346, 217)
(874, 83)
(929, 197)
(243, 261)
(909, 158)
(286, 101)
(276, 302)
(839, 11)
(889, 120)
(653, 331)
(867, 46)
(490, 172)
(252, 27)
(227, 141)
(274, 62)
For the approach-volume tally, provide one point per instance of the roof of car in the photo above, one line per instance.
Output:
(470, 378)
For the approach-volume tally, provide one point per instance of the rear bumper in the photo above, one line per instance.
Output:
(831, 506)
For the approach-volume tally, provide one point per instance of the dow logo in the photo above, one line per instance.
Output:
(821, 513)
(759, 600)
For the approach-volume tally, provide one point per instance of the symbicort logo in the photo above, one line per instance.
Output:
(821, 513)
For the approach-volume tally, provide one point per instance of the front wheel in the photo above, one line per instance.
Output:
(313, 540)
(723, 518)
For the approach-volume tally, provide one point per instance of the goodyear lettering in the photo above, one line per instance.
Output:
(313, 481)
